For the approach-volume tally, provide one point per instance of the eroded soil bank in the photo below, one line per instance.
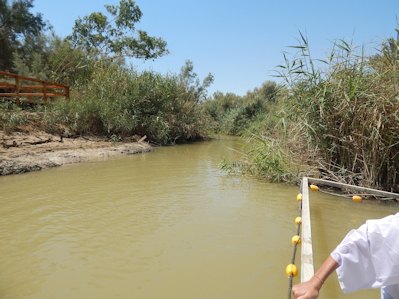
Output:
(24, 152)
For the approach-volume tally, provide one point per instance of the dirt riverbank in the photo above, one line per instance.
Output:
(24, 152)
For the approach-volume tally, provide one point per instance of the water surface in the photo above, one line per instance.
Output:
(166, 224)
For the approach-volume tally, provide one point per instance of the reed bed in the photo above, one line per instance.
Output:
(340, 119)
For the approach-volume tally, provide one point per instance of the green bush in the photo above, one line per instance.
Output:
(11, 120)
(237, 115)
(123, 102)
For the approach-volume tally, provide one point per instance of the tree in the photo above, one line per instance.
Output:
(36, 69)
(68, 65)
(16, 24)
(189, 78)
(116, 37)
(268, 91)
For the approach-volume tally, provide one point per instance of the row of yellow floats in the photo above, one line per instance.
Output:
(291, 268)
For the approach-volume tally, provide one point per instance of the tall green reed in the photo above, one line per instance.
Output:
(346, 106)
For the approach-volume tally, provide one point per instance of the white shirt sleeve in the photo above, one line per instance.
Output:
(369, 256)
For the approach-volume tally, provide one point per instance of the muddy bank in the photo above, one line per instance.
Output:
(24, 152)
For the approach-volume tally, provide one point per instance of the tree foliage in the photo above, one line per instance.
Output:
(16, 24)
(237, 115)
(190, 79)
(116, 37)
(36, 69)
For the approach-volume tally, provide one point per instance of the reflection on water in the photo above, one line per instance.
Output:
(167, 224)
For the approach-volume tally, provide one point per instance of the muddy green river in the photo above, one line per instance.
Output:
(166, 224)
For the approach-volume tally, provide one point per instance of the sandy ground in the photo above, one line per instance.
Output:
(25, 152)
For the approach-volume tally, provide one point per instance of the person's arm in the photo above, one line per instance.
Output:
(310, 289)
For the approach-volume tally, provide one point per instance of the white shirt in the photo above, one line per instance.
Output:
(369, 257)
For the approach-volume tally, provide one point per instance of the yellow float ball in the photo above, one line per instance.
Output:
(298, 220)
(296, 239)
(357, 198)
(314, 188)
(291, 268)
(299, 197)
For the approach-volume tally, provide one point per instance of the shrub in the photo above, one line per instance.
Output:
(122, 102)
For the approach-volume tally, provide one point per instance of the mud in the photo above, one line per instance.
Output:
(24, 152)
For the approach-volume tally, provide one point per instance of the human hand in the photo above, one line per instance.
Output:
(307, 290)
(310, 289)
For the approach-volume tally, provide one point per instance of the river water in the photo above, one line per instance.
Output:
(166, 224)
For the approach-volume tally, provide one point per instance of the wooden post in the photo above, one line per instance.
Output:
(44, 93)
(17, 90)
(307, 265)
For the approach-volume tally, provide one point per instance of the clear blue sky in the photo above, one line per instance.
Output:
(239, 42)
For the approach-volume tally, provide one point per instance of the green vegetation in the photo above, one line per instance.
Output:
(24, 49)
(348, 111)
(98, 37)
(236, 115)
(16, 23)
(108, 98)
(122, 102)
(336, 118)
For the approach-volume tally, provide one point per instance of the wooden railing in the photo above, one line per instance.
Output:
(23, 93)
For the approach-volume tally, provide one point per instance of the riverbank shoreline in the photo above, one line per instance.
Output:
(22, 152)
